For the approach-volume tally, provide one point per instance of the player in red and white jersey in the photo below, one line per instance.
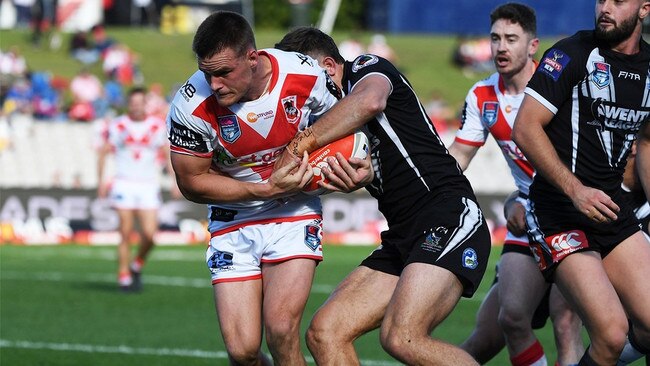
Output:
(227, 126)
(490, 107)
(140, 147)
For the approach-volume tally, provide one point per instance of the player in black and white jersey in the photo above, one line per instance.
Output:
(437, 246)
(583, 108)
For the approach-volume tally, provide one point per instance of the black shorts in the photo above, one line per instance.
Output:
(557, 230)
(450, 232)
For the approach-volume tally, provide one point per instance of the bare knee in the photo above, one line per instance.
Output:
(321, 334)
(241, 354)
(282, 330)
(514, 319)
(396, 340)
(610, 340)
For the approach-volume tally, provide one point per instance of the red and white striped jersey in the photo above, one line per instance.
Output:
(488, 110)
(137, 147)
(245, 139)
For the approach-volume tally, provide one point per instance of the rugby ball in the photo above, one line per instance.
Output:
(354, 145)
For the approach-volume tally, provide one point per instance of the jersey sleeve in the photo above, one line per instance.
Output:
(368, 64)
(472, 131)
(559, 71)
(323, 97)
(188, 134)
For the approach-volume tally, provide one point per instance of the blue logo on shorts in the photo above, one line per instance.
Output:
(470, 259)
(313, 235)
(220, 260)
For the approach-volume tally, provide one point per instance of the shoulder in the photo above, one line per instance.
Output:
(192, 93)
(292, 62)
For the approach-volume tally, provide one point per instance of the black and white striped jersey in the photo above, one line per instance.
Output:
(600, 99)
(410, 161)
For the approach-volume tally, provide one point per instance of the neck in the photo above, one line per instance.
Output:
(516, 84)
(630, 46)
(262, 77)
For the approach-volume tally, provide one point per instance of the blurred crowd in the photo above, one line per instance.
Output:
(85, 97)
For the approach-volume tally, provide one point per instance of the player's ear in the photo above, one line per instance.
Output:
(644, 10)
(533, 46)
(329, 64)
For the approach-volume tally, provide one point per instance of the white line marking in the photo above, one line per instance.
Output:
(178, 352)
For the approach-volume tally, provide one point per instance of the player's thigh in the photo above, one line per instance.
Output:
(286, 287)
(584, 283)
(521, 284)
(628, 268)
(127, 220)
(239, 310)
(358, 303)
(148, 221)
(424, 296)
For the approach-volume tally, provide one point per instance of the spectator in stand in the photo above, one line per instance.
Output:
(23, 12)
(101, 41)
(378, 46)
(87, 92)
(156, 105)
(19, 98)
(12, 63)
(82, 50)
(442, 116)
(120, 60)
(46, 99)
(114, 93)
(43, 18)
(473, 55)
(351, 48)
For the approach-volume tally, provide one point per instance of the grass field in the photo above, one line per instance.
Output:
(59, 306)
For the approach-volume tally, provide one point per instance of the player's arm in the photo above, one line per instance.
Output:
(102, 154)
(367, 99)
(515, 214)
(198, 182)
(643, 157)
(463, 153)
(529, 135)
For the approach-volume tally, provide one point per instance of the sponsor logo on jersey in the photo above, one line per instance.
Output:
(554, 62)
(470, 259)
(187, 91)
(253, 117)
(290, 109)
(313, 235)
(229, 128)
(260, 157)
(489, 113)
(629, 75)
(565, 243)
(611, 116)
(220, 262)
(363, 61)
(222, 214)
(600, 75)
(181, 136)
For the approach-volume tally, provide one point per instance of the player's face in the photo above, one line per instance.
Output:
(136, 107)
(229, 74)
(511, 47)
(616, 20)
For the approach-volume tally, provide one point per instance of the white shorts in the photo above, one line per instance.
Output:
(238, 255)
(132, 195)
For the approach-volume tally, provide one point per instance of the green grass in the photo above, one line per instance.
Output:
(61, 302)
(168, 59)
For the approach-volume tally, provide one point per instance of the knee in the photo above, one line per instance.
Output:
(512, 319)
(241, 354)
(612, 339)
(395, 341)
(282, 329)
(320, 333)
(566, 323)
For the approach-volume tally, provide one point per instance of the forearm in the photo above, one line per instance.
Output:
(217, 188)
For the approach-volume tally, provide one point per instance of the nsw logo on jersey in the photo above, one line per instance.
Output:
(290, 110)
(554, 62)
(600, 75)
(229, 128)
(363, 61)
(490, 112)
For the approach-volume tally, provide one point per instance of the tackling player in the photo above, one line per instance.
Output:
(490, 108)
